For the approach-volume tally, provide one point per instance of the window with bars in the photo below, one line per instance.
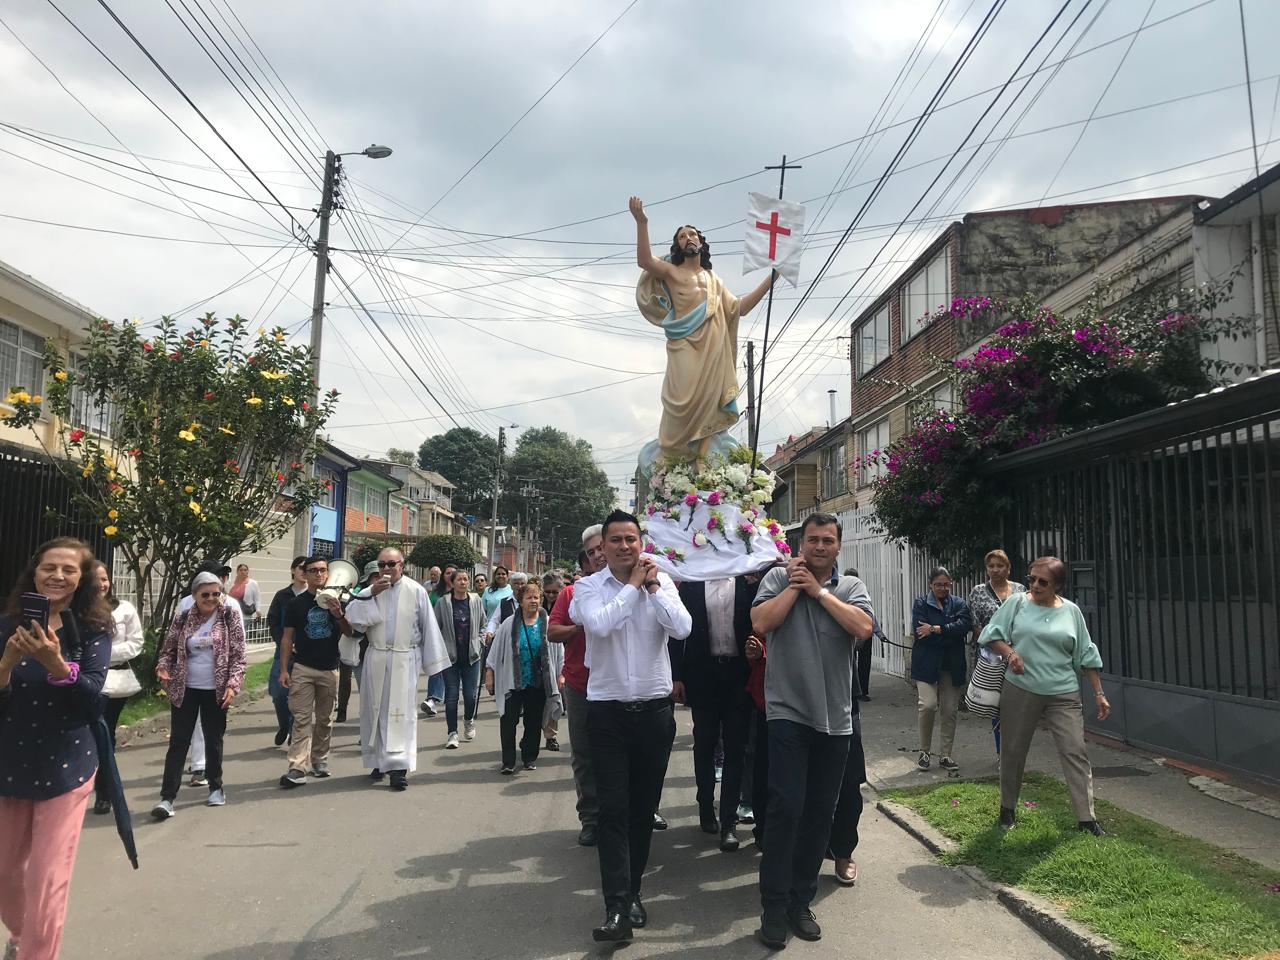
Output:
(871, 444)
(923, 294)
(88, 411)
(872, 340)
(21, 360)
(355, 496)
(835, 477)
(328, 495)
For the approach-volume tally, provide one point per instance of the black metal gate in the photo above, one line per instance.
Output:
(37, 503)
(1169, 523)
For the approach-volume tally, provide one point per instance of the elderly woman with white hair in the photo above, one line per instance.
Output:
(201, 665)
(1045, 641)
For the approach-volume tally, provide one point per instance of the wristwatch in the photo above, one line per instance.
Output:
(652, 583)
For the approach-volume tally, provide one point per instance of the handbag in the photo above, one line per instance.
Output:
(983, 696)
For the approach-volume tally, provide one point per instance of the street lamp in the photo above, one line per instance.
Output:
(332, 164)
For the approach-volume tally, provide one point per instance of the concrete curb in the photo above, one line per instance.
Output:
(1040, 915)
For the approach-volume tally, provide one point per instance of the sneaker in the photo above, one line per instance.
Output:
(428, 707)
(746, 814)
(294, 778)
(923, 762)
(846, 872)
(946, 763)
(217, 798)
(101, 806)
(530, 765)
(399, 779)
(507, 771)
(452, 742)
(340, 717)
(162, 810)
(320, 770)
(281, 736)
(198, 779)
(553, 744)
(470, 732)
(773, 932)
(376, 775)
(804, 924)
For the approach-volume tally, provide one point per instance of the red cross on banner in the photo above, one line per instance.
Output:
(775, 236)
(774, 231)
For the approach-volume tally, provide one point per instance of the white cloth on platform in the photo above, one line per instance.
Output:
(724, 555)
(404, 642)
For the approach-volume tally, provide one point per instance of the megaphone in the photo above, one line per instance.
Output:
(343, 578)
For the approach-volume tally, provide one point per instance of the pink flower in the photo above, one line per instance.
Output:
(671, 553)
(1030, 803)
(783, 548)
(713, 498)
(691, 499)
(713, 523)
(650, 510)
(955, 802)
(746, 526)
(75, 436)
(650, 548)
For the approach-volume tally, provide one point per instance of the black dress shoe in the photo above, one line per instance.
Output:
(1008, 818)
(616, 929)
(399, 779)
(709, 822)
(865, 698)
(281, 735)
(804, 924)
(773, 932)
(587, 835)
(101, 805)
(1088, 826)
(729, 841)
(636, 913)
(376, 775)
(658, 822)
(340, 717)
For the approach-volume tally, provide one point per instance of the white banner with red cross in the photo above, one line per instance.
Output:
(775, 235)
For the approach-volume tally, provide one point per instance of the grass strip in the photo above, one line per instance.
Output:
(1153, 892)
(142, 707)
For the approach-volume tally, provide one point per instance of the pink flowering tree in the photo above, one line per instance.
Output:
(208, 453)
(1039, 376)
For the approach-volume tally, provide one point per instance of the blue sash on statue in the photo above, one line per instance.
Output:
(678, 329)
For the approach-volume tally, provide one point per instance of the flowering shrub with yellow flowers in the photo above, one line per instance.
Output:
(212, 432)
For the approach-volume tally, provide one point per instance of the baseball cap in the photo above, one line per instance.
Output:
(370, 569)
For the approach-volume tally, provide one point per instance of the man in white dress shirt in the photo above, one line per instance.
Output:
(628, 611)
(395, 616)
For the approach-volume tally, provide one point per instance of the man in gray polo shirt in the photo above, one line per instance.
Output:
(812, 618)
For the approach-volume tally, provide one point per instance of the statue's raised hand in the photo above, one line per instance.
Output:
(637, 210)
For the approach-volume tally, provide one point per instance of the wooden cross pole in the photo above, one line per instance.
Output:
(782, 169)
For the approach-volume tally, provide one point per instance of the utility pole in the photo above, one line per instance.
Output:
(752, 436)
(768, 310)
(493, 517)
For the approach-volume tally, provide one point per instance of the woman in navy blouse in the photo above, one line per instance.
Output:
(50, 683)
(941, 622)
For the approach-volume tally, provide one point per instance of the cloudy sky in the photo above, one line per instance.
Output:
(515, 283)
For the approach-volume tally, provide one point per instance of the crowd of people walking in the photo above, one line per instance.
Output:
(768, 664)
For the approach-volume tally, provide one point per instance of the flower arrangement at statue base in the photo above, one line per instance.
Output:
(711, 523)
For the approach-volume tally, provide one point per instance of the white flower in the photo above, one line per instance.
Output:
(761, 496)
(699, 539)
(737, 477)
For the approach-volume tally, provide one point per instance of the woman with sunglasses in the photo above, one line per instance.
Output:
(1046, 642)
(201, 665)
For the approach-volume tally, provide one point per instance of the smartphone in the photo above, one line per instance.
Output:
(35, 609)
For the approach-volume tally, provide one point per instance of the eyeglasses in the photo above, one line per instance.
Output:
(317, 569)
(1039, 581)
(209, 594)
(383, 564)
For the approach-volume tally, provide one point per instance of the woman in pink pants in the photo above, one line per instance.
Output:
(50, 683)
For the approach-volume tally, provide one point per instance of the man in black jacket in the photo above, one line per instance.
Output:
(275, 624)
(709, 673)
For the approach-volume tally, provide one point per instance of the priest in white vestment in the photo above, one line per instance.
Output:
(394, 614)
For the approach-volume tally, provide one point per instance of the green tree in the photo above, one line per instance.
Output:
(406, 457)
(211, 439)
(552, 477)
(441, 550)
(465, 457)
(367, 551)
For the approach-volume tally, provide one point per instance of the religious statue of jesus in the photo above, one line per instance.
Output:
(681, 294)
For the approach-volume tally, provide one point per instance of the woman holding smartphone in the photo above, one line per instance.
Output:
(55, 644)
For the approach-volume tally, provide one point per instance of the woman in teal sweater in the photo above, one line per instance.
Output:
(1047, 644)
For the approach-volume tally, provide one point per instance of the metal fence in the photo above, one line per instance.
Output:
(1168, 523)
(38, 503)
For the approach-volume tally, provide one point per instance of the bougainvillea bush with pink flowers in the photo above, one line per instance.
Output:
(1041, 375)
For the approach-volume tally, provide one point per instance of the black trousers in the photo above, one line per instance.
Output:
(202, 705)
(111, 708)
(805, 771)
(527, 703)
(844, 825)
(721, 708)
(630, 747)
(862, 656)
(760, 773)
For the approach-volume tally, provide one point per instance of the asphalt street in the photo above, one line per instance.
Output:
(468, 864)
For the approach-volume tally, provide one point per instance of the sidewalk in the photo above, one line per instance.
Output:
(1129, 780)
